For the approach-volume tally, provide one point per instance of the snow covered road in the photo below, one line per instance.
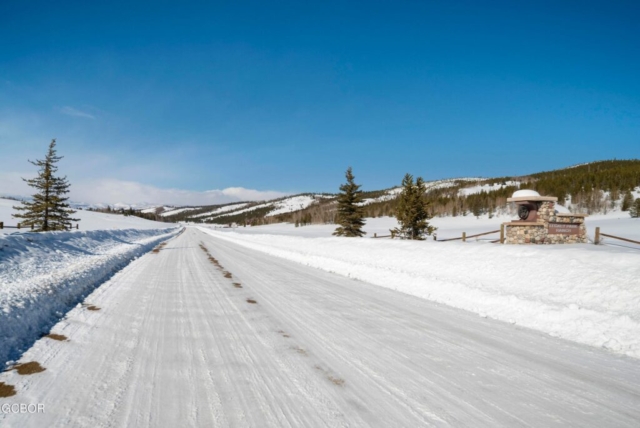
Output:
(209, 333)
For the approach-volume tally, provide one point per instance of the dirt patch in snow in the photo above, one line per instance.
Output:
(299, 350)
(158, 248)
(212, 259)
(90, 307)
(336, 380)
(7, 390)
(333, 379)
(237, 285)
(253, 302)
(227, 274)
(59, 337)
(29, 368)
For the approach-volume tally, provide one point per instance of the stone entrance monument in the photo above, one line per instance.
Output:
(540, 223)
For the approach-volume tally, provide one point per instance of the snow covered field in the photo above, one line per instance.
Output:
(89, 220)
(585, 293)
(614, 223)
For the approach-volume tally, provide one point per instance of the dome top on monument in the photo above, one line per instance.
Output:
(529, 195)
(525, 192)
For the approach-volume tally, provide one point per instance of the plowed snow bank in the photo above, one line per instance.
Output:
(44, 275)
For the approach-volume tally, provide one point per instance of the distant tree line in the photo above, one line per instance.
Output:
(154, 216)
(590, 188)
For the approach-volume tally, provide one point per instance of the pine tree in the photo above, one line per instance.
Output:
(49, 209)
(627, 201)
(634, 209)
(413, 210)
(350, 215)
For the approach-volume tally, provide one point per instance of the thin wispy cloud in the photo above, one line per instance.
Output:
(113, 191)
(70, 111)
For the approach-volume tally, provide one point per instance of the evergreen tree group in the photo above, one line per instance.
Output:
(304, 220)
(412, 210)
(49, 209)
(350, 215)
(634, 209)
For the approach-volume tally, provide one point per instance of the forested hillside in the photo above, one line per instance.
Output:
(596, 187)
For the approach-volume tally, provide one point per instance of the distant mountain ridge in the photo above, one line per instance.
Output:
(589, 188)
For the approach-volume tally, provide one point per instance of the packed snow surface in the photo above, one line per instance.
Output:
(585, 293)
(209, 333)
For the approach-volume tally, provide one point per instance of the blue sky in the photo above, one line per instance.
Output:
(160, 100)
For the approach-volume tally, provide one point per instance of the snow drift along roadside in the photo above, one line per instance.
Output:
(585, 293)
(44, 275)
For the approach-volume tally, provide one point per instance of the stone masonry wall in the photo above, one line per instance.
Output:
(532, 234)
(538, 232)
(546, 212)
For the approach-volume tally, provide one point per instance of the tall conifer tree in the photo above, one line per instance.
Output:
(413, 210)
(634, 209)
(627, 201)
(350, 215)
(49, 209)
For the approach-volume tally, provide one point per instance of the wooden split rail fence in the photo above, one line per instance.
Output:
(464, 236)
(599, 234)
(375, 235)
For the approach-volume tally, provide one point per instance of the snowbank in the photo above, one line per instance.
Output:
(585, 293)
(43, 275)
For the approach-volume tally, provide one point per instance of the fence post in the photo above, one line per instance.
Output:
(78, 226)
(502, 233)
(375, 235)
(31, 226)
(597, 238)
(1, 225)
(392, 234)
(464, 236)
(18, 225)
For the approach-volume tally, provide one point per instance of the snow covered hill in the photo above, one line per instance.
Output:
(242, 210)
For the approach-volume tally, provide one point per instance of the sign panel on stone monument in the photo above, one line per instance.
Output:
(564, 229)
